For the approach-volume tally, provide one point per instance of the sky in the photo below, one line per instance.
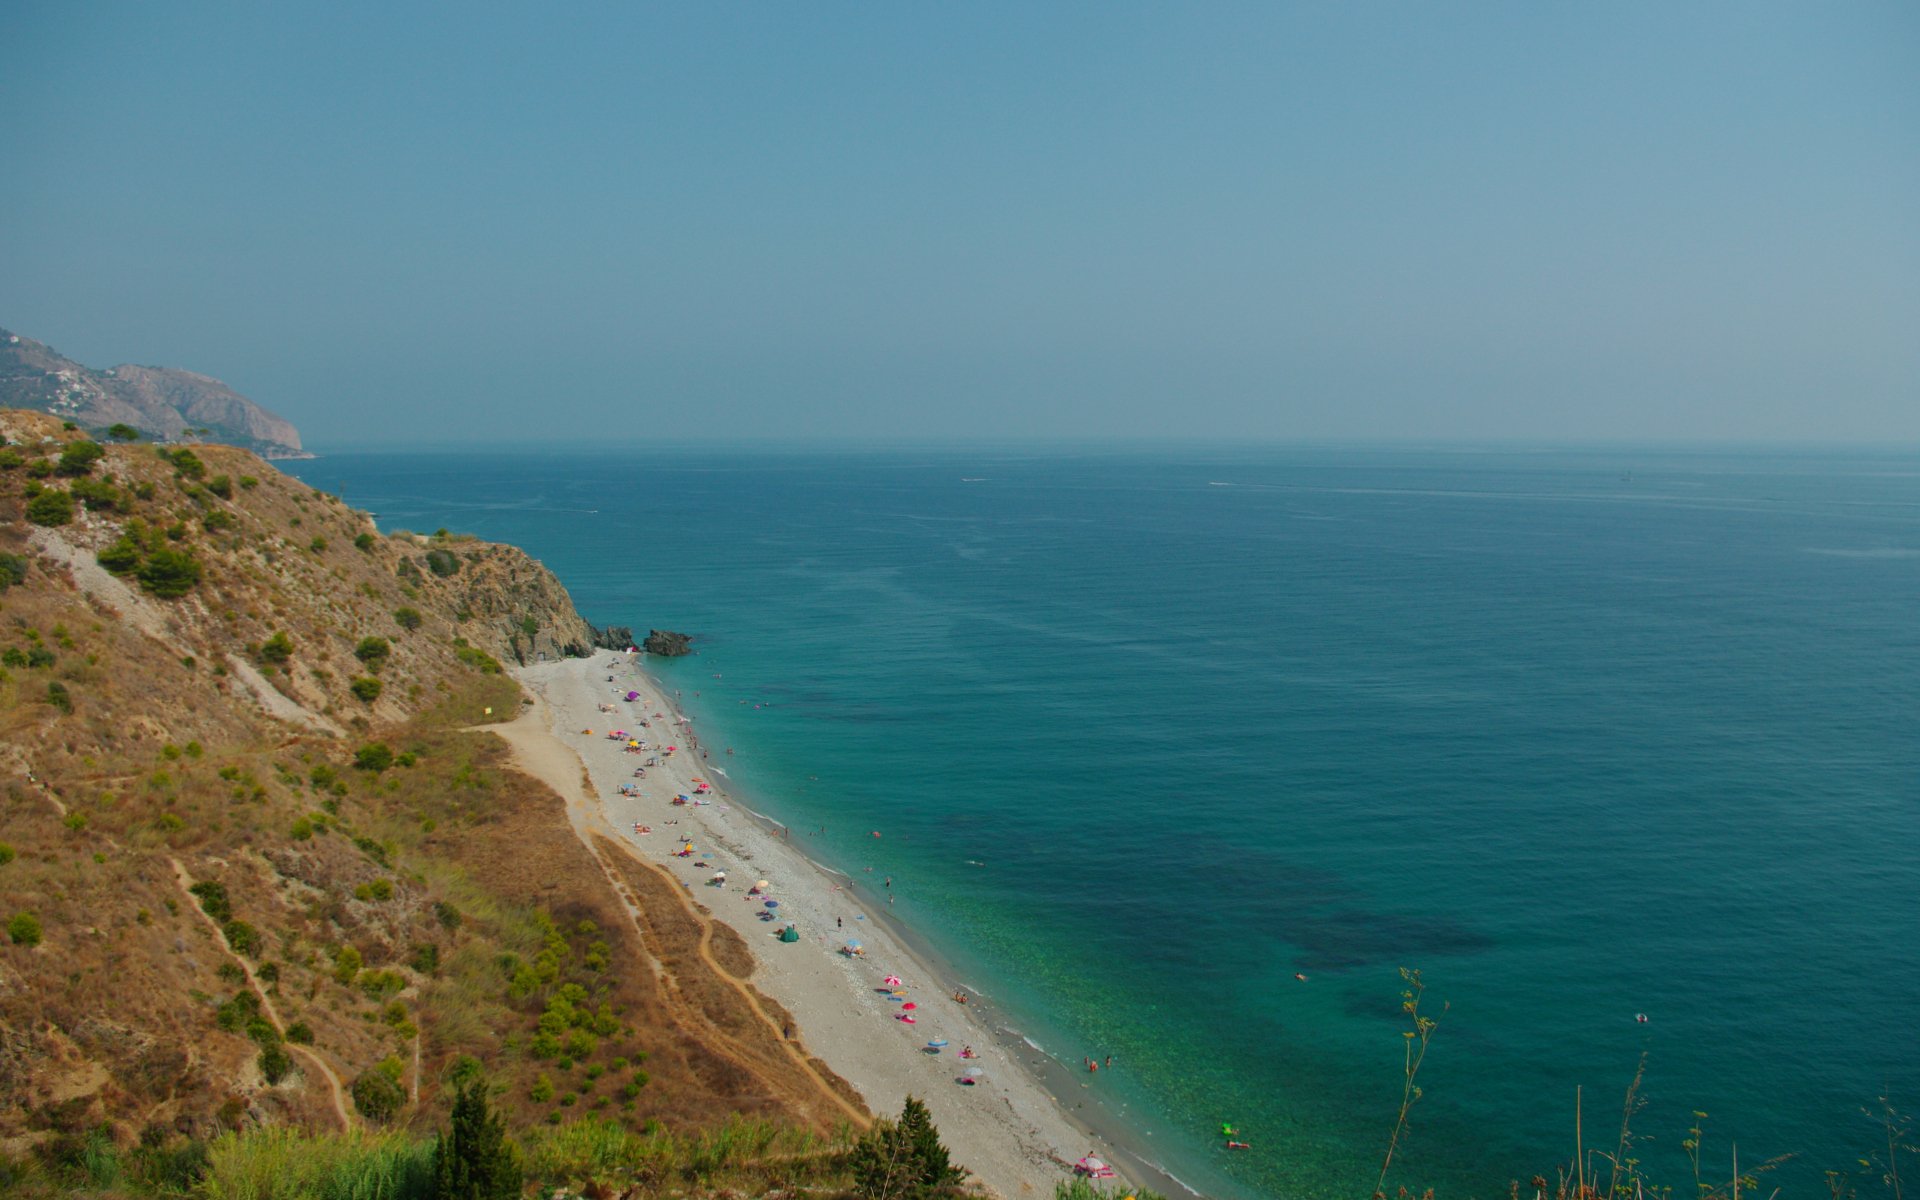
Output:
(420, 223)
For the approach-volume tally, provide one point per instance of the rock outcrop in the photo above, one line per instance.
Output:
(667, 644)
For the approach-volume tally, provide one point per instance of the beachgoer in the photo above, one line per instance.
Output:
(838, 923)
(1109, 1062)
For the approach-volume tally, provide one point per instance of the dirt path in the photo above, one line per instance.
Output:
(266, 1003)
(552, 762)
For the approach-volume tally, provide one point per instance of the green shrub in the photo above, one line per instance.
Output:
(377, 1094)
(170, 573)
(276, 649)
(51, 507)
(377, 891)
(382, 985)
(13, 569)
(475, 657)
(542, 1090)
(96, 494)
(374, 756)
(244, 938)
(6, 854)
(363, 543)
(215, 522)
(425, 959)
(24, 929)
(213, 899)
(122, 557)
(275, 1063)
(120, 431)
(186, 462)
(365, 688)
(302, 829)
(221, 486)
(346, 964)
(59, 697)
(318, 544)
(300, 1033)
(442, 562)
(373, 651)
(77, 458)
(408, 618)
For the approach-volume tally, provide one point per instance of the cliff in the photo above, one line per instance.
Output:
(258, 867)
(160, 402)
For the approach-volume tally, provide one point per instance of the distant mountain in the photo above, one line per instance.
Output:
(158, 401)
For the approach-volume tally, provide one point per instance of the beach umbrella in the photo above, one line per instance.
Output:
(760, 883)
(773, 904)
(909, 1006)
(891, 981)
(907, 1017)
(937, 1043)
(853, 942)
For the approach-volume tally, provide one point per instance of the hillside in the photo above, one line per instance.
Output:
(161, 402)
(260, 867)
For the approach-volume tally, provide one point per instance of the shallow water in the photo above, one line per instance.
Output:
(1580, 735)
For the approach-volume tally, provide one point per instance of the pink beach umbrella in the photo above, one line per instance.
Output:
(909, 1006)
(891, 981)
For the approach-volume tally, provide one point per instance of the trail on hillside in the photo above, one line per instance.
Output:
(187, 881)
(591, 828)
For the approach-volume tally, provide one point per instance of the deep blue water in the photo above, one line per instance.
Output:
(1578, 734)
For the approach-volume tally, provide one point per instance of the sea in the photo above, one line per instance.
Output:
(1182, 755)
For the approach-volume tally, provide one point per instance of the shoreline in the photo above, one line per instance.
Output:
(1018, 1130)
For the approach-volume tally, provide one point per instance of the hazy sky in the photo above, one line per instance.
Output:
(1527, 220)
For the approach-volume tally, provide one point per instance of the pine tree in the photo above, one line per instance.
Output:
(931, 1168)
(473, 1160)
(903, 1160)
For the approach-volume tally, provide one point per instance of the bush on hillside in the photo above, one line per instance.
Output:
(373, 651)
(120, 558)
(97, 494)
(366, 687)
(377, 1093)
(169, 573)
(77, 458)
(442, 562)
(408, 618)
(276, 649)
(275, 1063)
(51, 507)
(24, 929)
(374, 756)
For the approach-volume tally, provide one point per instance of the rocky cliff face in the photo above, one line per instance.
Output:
(158, 401)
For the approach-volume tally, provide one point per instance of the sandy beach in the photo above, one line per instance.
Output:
(1008, 1128)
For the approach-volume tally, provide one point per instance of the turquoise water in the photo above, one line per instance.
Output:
(1580, 735)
